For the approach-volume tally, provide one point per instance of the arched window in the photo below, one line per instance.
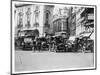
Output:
(47, 15)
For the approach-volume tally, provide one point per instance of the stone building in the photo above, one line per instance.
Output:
(60, 20)
(72, 22)
(83, 20)
(79, 24)
(88, 15)
(32, 16)
(60, 25)
(48, 18)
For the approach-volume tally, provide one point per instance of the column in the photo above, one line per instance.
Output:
(41, 24)
(23, 17)
(62, 26)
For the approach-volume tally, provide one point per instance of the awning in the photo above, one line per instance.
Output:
(87, 34)
(91, 23)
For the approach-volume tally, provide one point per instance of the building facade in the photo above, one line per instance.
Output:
(48, 18)
(72, 21)
(33, 16)
(84, 21)
(60, 20)
(79, 20)
(89, 19)
(60, 25)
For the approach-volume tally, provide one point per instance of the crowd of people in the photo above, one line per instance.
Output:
(56, 44)
(60, 44)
